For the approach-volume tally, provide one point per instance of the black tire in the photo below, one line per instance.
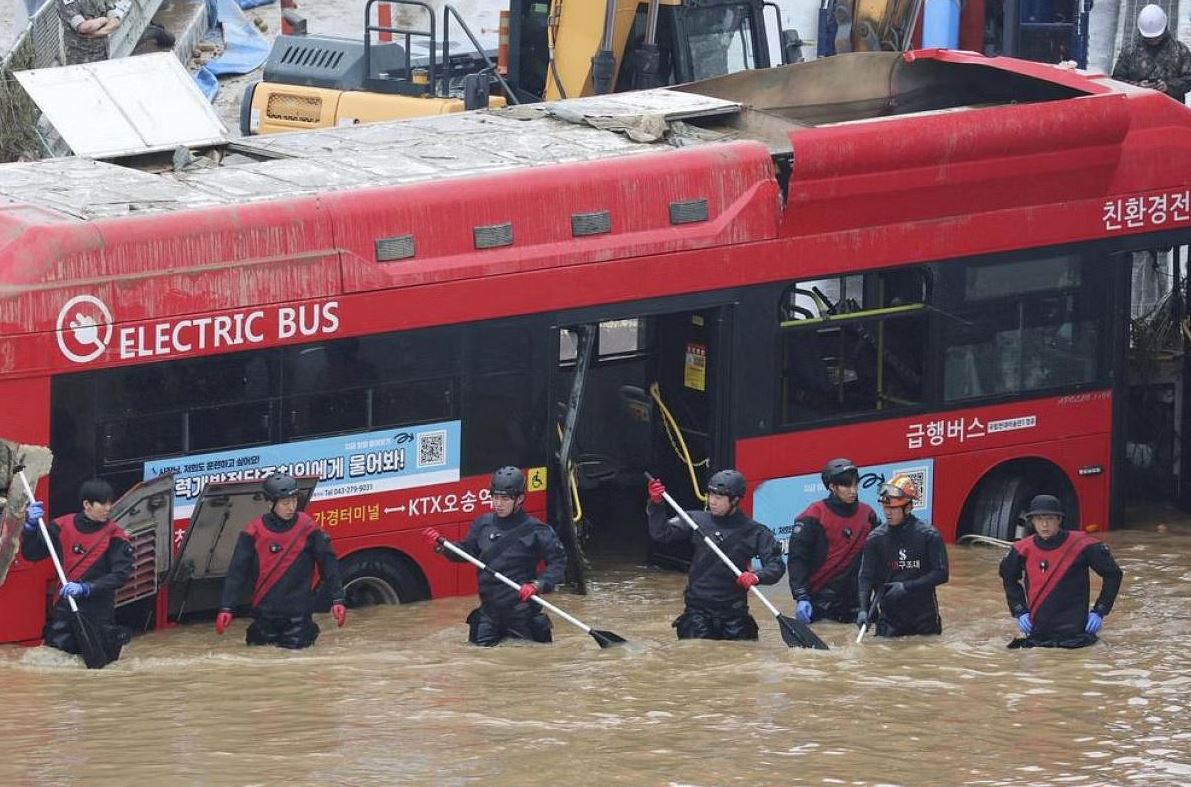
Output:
(998, 501)
(1003, 496)
(377, 577)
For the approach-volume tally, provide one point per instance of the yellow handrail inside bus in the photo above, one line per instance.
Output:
(677, 442)
(574, 485)
(860, 315)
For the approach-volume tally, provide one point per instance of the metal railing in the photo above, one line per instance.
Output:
(44, 35)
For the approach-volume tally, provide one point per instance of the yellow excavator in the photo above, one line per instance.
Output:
(405, 65)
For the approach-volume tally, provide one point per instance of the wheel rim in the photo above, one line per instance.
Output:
(370, 591)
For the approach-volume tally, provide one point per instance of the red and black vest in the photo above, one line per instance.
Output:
(845, 540)
(1045, 567)
(276, 552)
(81, 550)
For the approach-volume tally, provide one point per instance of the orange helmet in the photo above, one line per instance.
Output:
(900, 491)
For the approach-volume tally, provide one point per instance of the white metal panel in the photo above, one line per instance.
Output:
(125, 106)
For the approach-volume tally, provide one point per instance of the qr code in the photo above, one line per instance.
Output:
(921, 478)
(432, 449)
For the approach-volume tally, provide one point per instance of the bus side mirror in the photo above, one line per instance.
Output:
(791, 46)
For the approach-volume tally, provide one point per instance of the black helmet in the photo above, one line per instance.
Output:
(727, 482)
(836, 468)
(509, 481)
(280, 486)
(1045, 504)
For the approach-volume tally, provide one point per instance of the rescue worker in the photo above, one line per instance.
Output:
(826, 544)
(1052, 609)
(1155, 59)
(275, 558)
(96, 557)
(904, 560)
(508, 540)
(87, 26)
(716, 599)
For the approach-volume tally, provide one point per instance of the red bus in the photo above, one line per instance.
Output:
(920, 261)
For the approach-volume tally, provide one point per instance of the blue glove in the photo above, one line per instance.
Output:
(76, 589)
(804, 610)
(895, 590)
(1095, 623)
(1024, 624)
(34, 512)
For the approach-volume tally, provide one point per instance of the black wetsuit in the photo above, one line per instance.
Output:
(824, 561)
(500, 613)
(282, 594)
(912, 553)
(1056, 588)
(97, 553)
(717, 607)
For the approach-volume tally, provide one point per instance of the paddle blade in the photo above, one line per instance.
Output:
(606, 639)
(797, 634)
(90, 642)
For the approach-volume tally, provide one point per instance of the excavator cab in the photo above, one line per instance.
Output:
(403, 66)
(549, 49)
(570, 48)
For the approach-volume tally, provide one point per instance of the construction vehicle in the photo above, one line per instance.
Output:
(1048, 32)
(549, 49)
(866, 25)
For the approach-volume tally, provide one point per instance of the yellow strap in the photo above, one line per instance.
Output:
(675, 433)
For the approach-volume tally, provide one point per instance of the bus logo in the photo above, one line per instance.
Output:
(84, 328)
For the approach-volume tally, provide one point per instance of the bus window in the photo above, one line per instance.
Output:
(614, 339)
(229, 426)
(852, 344)
(183, 406)
(502, 414)
(327, 384)
(568, 346)
(621, 337)
(413, 402)
(1025, 325)
(142, 437)
(501, 403)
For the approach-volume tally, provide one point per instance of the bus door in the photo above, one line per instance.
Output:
(633, 394)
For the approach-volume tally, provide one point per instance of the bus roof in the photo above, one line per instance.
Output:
(853, 162)
(766, 106)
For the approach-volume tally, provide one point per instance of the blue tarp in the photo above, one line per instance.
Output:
(244, 48)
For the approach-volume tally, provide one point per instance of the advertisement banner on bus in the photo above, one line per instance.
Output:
(779, 500)
(346, 465)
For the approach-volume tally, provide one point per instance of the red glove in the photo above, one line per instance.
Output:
(433, 537)
(656, 490)
(222, 621)
(527, 590)
(747, 579)
(339, 612)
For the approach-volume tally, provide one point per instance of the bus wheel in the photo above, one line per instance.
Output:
(1003, 496)
(377, 577)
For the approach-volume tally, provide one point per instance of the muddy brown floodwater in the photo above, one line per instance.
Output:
(398, 697)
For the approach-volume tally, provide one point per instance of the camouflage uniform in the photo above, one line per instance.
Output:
(1170, 62)
(80, 48)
